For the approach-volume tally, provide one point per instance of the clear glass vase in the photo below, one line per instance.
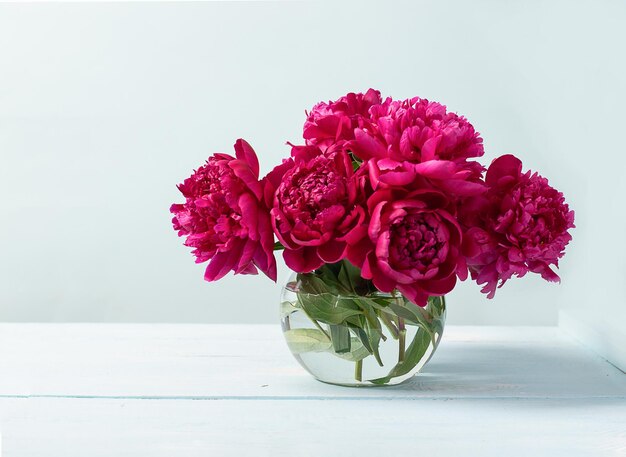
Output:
(357, 336)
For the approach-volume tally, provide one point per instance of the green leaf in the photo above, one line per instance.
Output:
(286, 308)
(327, 307)
(370, 338)
(324, 282)
(375, 336)
(437, 308)
(362, 336)
(413, 355)
(384, 317)
(350, 278)
(340, 337)
(344, 279)
(368, 312)
(409, 313)
(302, 340)
(357, 351)
(416, 315)
(381, 304)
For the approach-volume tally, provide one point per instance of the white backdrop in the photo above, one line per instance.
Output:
(105, 107)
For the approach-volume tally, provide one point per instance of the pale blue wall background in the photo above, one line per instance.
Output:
(105, 107)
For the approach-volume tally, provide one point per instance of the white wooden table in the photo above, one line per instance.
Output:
(205, 390)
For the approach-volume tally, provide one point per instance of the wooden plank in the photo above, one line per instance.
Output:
(239, 361)
(276, 428)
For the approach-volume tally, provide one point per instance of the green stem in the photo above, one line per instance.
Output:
(401, 331)
(390, 326)
(358, 370)
(401, 340)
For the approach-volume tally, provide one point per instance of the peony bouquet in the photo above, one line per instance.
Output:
(379, 211)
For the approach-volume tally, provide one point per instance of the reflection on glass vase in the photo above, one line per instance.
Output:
(354, 335)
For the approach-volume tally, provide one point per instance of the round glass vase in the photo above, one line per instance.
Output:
(350, 339)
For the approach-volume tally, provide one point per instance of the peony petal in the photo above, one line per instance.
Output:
(266, 262)
(282, 228)
(374, 173)
(272, 180)
(381, 282)
(355, 235)
(438, 287)
(332, 252)
(351, 225)
(473, 240)
(461, 269)
(414, 293)
(249, 214)
(375, 222)
(302, 260)
(247, 254)
(429, 149)
(396, 276)
(242, 171)
(504, 166)
(488, 275)
(264, 227)
(462, 188)
(223, 262)
(398, 178)
(249, 269)
(436, 169)
(245, 153)
(357, 252)
(544, 270)
(366, 147)
(366, 270)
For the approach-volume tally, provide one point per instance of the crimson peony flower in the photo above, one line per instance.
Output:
(331, 122)
(316, 207)
(521, 224)
(413, 244)
(225, 218)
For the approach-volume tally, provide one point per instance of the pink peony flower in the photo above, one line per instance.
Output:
(316, 207)
(413, 244)
(416, 130)
(442, 174)
(402, 139)
(331, 122)
(521, 224)
(225, 218)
